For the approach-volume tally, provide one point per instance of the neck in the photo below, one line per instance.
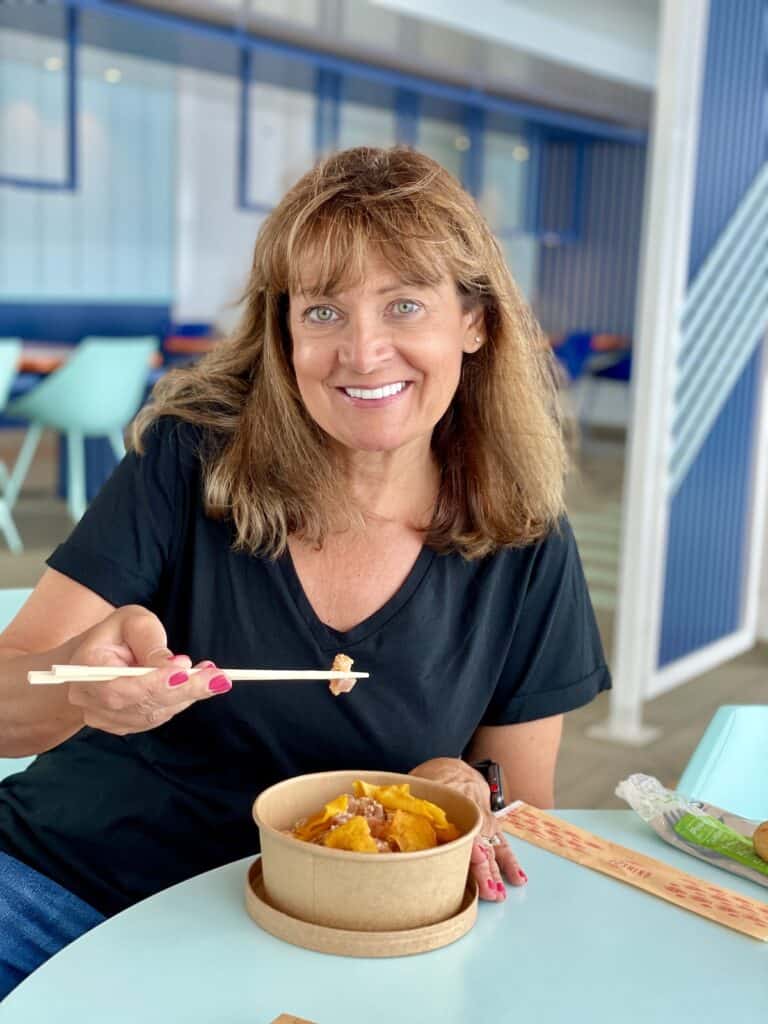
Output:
(396, 486)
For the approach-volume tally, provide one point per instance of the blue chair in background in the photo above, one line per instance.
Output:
(10, 350)
(95, 394)
(587, 358)
(729, 767)
(10, 602)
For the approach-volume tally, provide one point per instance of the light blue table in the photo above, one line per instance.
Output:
(573, 946)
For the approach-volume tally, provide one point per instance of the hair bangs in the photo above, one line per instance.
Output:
(332, 248)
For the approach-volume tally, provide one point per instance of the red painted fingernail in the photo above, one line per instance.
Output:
(207, 664)
(178, 678)
(500, 886)
(219, 684)
(522, 875)
(170, 657)
(491, 885)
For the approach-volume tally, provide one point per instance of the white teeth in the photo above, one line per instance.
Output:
(385, 392)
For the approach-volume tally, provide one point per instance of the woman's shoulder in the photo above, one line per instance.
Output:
(172, 442)
(554, 544)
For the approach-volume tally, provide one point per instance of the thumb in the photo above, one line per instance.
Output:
(144, 634)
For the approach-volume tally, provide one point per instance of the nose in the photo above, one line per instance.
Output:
(365, 346)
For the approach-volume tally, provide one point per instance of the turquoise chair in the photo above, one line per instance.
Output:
(729, 767)
(95, 394)
(10, 602)
(10, 350)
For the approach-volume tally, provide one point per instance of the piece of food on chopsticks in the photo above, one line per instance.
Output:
(341, 663)
(377, 819)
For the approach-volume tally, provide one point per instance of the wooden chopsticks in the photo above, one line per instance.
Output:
(101, 673)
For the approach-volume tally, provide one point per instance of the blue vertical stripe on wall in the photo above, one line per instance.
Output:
(591, 284)
(709, 515)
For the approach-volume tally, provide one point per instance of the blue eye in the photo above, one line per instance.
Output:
(405, 306)
(321, 314)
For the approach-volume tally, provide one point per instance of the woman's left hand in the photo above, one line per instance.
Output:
(492, 855)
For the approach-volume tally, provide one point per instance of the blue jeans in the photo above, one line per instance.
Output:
(37, 919)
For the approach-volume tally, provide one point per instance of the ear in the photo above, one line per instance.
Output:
(474, 331)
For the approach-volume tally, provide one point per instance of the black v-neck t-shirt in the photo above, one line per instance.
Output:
(503, 639)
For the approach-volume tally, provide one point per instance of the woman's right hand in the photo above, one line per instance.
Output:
(132, 635)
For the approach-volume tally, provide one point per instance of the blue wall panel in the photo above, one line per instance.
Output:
(709, 515)
(733, 133)
(591, 285)
(71, 321)
(707, 537)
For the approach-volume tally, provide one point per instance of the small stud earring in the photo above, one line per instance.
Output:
(478, 339)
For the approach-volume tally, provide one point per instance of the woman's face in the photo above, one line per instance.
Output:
(378, 364)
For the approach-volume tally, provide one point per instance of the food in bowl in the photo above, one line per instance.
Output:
(377, 819)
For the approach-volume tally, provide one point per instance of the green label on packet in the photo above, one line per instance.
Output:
(714, 835)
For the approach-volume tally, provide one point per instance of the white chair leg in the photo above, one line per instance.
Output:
(23, 462)
(586, 403)
(76, 500)
(8, 529)
(118, 443)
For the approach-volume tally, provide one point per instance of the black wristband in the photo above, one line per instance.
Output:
(491, 771)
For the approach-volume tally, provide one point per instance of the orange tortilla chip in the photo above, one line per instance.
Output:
(354, 835)
(315, 824)
(447, 835)
(400, 798)
(411, 832)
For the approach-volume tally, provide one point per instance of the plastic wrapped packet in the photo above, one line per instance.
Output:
(703, 830)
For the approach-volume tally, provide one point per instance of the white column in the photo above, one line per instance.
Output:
(663, 281)
(757, 582)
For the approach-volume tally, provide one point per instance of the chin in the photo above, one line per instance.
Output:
(374, 443)
(375, 446)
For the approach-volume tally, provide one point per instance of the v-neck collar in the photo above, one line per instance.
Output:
(330, 638)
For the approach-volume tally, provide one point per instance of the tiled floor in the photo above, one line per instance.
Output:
(589, 770)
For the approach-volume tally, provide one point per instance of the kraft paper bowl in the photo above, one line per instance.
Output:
(361, 891)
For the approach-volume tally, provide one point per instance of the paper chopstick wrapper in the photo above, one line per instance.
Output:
(724, 906)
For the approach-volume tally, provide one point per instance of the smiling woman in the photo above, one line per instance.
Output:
(372, 463)
(375, 262)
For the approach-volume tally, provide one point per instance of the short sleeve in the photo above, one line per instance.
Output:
(556, 661)
(127, 538)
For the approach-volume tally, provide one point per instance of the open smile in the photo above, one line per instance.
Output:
(380, 395)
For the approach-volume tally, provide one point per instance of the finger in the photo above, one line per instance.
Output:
(175, 686)
(126, 723)
(198, 684)
(496, 873)
(509, 864)
(170, 688)
(121, 694)
(480, 867)
(105, 653)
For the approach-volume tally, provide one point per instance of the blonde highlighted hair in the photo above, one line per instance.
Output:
(267, 464)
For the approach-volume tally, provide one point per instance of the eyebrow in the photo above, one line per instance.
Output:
(384, 290)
